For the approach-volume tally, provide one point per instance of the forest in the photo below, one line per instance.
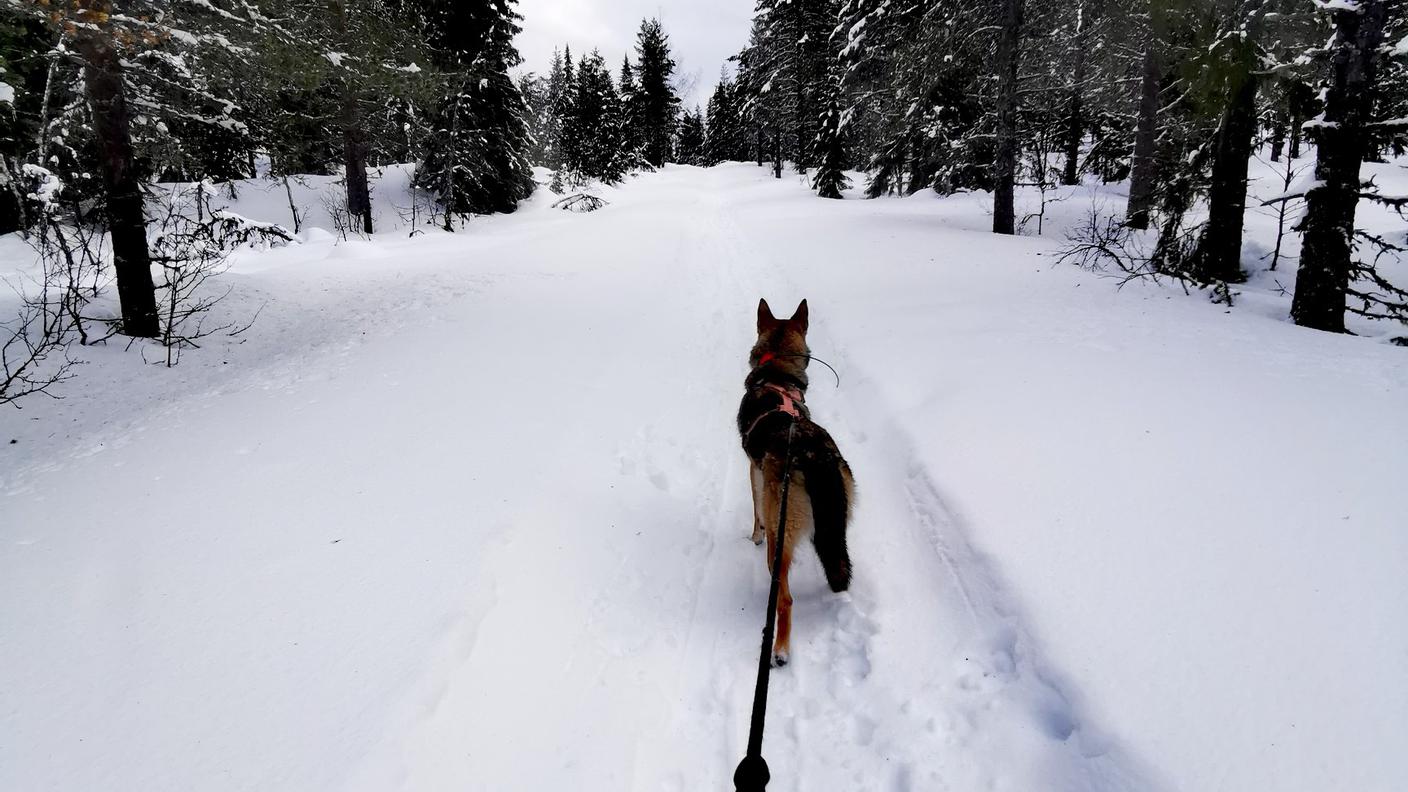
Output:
(104, 100)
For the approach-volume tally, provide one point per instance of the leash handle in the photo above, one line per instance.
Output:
(752, 773)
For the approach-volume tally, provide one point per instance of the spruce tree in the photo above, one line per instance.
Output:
(830, 179)
(593, 128)
(632, 116)
(562, 92)
(726, 137)
(1008, 58)
(1234, 58)
(1143, 162)
(478, 159)
(534, 90)
(657, 107)
(689, 149)
(1328, 273)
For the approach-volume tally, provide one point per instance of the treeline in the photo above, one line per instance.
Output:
(1174, 96)
(102, 97)
(588, 125)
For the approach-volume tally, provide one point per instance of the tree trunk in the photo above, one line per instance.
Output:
(1278, 139)
(12, 214)
(354, 158)
(1219, 256)
(1323, 275)
(762, 147)
(354, 139)
(106, 92)
(1074, 127)
(1144, 166)
(1005, 157)
(777, 155)
(1075, 121)
(1294, 135)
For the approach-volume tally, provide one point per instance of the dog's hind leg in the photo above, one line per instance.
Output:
(799, 518)
(755, 480)
(782, 641)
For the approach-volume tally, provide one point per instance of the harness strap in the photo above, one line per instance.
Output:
(791, 397)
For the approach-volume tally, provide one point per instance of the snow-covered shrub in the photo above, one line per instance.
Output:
(191, 245)
(579, 202)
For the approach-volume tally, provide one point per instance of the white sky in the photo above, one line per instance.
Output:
(703, 33)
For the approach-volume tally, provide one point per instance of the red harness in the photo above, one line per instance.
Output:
(791, 397)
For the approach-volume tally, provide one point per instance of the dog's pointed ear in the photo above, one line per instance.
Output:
(766, 321)
(799, 317)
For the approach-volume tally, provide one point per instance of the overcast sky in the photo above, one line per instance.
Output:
(703, 33)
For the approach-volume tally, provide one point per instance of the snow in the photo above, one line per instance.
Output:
(468, 511)
(47, 186)
(7, 93)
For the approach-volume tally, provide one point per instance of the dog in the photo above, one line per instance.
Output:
(822, 489)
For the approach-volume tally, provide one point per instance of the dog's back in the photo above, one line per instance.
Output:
(824, 475)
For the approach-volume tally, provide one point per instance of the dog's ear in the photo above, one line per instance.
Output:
(800, 316)
(766, 321)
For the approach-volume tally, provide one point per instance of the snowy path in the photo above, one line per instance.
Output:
(491, 533)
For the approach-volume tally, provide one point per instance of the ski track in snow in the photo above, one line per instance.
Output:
(829, 700)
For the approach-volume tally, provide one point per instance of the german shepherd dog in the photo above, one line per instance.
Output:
(821, 493)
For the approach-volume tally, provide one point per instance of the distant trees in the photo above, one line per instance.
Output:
(593, 127)
(1175, 96)
(106, 95)
(949, 95)
(726, 131)
(784, 77)
(689, 148)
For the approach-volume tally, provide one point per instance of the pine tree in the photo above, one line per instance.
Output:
(1343, 134)
(689, 149)
(24, 75)
(478, 159)
(657, 106)
(593, 128)
(1234, 59)
(1144, 164)
(561, 93)
(784, 73)
(632, 116)
(726, 137)
(922, 74)
(1088, 17)
(534, 90)
(1005, 157)
(830, 179)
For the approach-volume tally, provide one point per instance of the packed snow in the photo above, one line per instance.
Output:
(468, 511)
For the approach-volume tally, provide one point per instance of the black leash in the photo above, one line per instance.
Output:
(752, 773)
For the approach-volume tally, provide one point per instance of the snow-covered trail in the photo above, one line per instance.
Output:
(502, 543)
(468, 512)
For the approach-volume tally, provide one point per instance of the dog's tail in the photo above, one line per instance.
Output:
(828, 483)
